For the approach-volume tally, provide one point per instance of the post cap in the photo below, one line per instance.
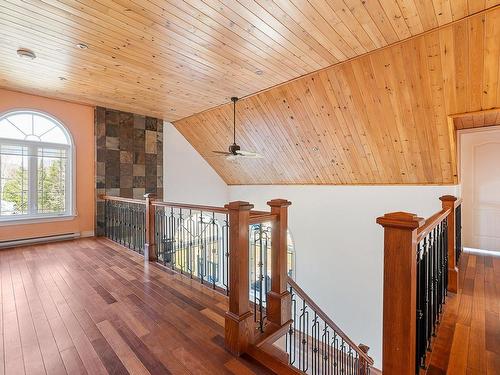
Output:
(448, 198)
(401, 220)
(364, 348)
(239, 205)
(279, 203)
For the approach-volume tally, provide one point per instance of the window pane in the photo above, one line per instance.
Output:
(23, 122)
(48, 131)
(51, 182)
(9, 130)
(13, 180)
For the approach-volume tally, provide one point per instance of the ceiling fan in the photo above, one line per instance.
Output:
(235, 151)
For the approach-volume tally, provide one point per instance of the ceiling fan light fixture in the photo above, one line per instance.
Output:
(235, 151)
(82, 46)
(26, 53)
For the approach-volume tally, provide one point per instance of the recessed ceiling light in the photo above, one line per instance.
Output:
(82, 46)
(26, 53)
(315, 149)
(259, 72)
(62, 78)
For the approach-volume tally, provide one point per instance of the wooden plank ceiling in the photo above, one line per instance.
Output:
(378, 119)
(173, 58)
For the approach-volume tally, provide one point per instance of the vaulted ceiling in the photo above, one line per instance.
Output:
(178, 57)
(382, 118)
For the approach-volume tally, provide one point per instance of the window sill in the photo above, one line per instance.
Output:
(35, 219)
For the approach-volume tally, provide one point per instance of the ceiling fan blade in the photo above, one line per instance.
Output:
(249, 154)
(222, 153)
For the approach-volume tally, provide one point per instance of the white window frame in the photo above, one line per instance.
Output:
(70, 185)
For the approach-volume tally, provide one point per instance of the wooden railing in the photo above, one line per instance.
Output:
(419, 270)
(244, 254)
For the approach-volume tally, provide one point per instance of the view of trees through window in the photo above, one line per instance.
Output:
(33, 166)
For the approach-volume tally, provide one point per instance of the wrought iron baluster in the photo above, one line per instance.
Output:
(225, 250)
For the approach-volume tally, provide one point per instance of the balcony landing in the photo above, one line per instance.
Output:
(91, 307)
(468, 339)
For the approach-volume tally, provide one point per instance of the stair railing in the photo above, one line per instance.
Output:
(419, 270)
(316, 345)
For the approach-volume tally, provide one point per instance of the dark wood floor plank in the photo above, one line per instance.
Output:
(13, 354)
(50, 353)
(72, 362)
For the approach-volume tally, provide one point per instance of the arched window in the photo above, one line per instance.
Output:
(35, 166)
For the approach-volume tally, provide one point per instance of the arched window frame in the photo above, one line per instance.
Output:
(70, 185)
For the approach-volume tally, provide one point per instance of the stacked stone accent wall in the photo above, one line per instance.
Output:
(129, 157)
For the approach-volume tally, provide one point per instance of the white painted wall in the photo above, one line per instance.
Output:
(480, 176)
(339, 247)
(187, 177)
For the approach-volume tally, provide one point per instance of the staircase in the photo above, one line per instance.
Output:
(310, 342)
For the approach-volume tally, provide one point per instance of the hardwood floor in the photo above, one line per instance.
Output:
(91, 307)
(468, 340)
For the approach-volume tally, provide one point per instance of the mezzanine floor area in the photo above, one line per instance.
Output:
(91, 307)
(468, 340)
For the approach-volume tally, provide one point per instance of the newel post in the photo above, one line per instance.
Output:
(239, 324)
(448, 201)
(400, 289)
(279, 298)
(150, 245)
(364, 367)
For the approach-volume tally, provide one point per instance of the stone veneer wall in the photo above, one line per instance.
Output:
(129, 157)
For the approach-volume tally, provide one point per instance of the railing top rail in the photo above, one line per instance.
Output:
(328, 321)
(121, 199)
(267, 217)
(258, 213)
(458, 202)
(198, 207)
(431, 223)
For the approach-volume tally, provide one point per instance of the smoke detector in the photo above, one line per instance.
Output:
(26, 53)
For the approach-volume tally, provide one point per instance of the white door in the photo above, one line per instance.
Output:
(480, 167)
(486, 204)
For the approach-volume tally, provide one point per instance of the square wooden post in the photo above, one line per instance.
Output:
(150, 245)
(239, 323)
(364, 366)
(279, 298)
(400, 290)
(448, 201)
